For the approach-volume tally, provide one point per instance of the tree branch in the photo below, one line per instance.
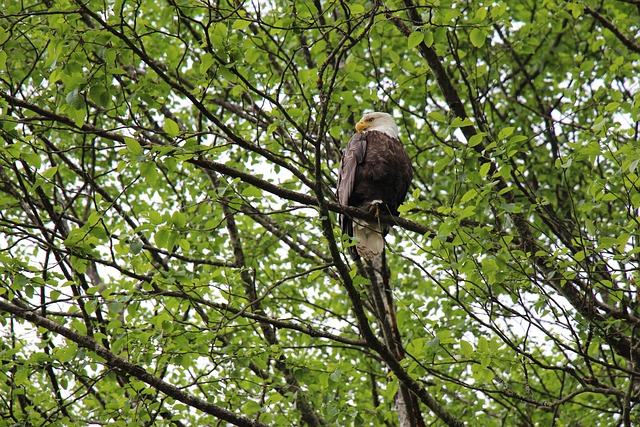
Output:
(122, 365)
(630, 44)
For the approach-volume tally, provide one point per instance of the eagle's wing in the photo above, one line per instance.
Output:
(352, 156)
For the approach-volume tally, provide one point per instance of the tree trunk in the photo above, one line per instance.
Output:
(407, 404)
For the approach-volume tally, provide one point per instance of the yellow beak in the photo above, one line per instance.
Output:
(360, 126)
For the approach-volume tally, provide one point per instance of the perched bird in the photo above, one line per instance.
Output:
(374, 175)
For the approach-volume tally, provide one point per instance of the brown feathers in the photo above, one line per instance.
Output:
(375, 174)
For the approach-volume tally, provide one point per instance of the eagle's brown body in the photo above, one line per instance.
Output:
(375, 173)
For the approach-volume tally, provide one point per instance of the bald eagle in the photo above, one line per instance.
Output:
(374, 175)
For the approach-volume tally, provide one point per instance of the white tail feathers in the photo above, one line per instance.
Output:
(371, 241)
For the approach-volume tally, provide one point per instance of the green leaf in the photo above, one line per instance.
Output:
(416, 348)
(469, 195)
(335, 376)
(477, 37)
(516, 139)
(206, 61)
(611, 106)
(577, 9)
(428, 38)
(481, 14)
(79, 265)
(3, 60)
(476, 139)
(466, 349)
(438, 116)
(458, 122)
(100, 95)
(335, 132)
(622, 240)
(32, 159)
(240, 24)
(93, 219)
(483, 344)
(74, 236)
(356, 8)
(161, 237)
(414, 39)
(179, 219)
(407, 206)
(135, 247)
(506, 132)
(484, 169)
(133, 146)
(497, 10)
(171, 128)
(295, 112)
(252, 191)
(4, 35)
(441, 164)
(74, 99)
(65, 354)
(433, 344)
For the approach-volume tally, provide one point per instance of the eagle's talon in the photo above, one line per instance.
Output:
(374, 208)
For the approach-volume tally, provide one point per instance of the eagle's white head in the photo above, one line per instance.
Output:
(381, 122)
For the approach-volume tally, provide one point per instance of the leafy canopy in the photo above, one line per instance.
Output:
(169, 253)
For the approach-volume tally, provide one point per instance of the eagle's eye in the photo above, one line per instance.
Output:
(370, 119)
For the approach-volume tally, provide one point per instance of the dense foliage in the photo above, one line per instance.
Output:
(169, 252)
